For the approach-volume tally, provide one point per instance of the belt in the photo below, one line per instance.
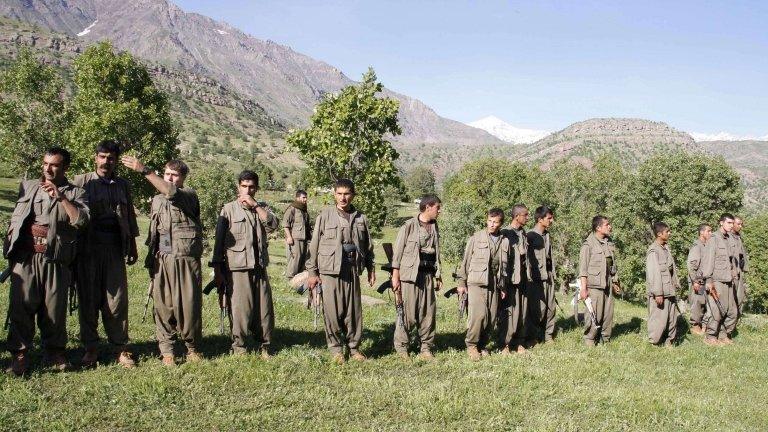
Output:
(39, 235)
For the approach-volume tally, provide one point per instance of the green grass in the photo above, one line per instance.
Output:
(626, 385)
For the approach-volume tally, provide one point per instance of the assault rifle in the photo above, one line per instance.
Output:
(3, 277)
(314, 299)
(399, 309)
(462, 301)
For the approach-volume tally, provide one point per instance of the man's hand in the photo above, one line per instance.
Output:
(51, 190)
(659, 300)
(371, 278)
(133, 254)
(439, 284)
(503, 294)
(247, 201)
(289, 241)
(583, 293)
(312, 281)
(696, 288)
(461, 290)
(616, 288)
(132, 163)
(713, 292)
(395, 280)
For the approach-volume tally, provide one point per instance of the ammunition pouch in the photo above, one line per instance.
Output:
(348, 253)
(164, 244)
(39, 238)
(428, 262)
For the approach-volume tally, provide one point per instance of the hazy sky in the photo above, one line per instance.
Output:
(700, 66)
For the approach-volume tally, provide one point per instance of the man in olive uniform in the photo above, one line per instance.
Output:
(662, 283)
(240, 259)
(541, 289)
(340, 249)
(106, 246)
(297, 234)
(598, 278)
(719, 269)
(416, 273)
(40, 246)
(482, 275)
(173, 259)
(696, 279)
(743, 264)
(514, 305)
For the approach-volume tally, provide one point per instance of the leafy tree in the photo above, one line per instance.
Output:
(215, 185)
(755, 235)
(34, 114)
(346, 140)
(458, 222)
(420, 181)
(116, 99)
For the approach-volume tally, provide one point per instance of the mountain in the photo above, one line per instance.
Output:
(631, 140)
(506, 132)
(750, 159)
(285, 83)
(725, 136)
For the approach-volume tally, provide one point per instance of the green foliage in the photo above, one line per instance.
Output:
(33, 114)
(346, 140)
(420, 181)
(116, 99)
(755, 235)
(459, 220)
(215, 186)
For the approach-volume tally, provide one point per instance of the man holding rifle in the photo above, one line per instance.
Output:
(719, 268)
(240, 259)
(416, 277)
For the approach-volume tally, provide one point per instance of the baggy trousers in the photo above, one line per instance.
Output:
(662, 321)
(602, 301)
(342, 310)
(419, 307)
(253, 313)
(296, 256)
(512, 316)
(721, 323)
(541, 310)
(482, 305)
(177, 294)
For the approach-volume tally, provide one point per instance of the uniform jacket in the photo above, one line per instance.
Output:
(660, 271)
(62, 232)
(179, 210)
(474, 268)
(719, 264)
(695, 256)
(325, 253)
(593, 262)
(518, 248)
(540, 256)
(406, 253)
(245, 235)
(297, 221)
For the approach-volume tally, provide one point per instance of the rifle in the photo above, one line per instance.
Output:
(3, 277)
(462, 306)
(399, 309)
(146, 302)
(590, 308)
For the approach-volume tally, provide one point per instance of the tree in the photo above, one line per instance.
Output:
(420, 181)
(116, 99)
(755, 235)
(345, 139)
(215, 186)
(34, 114)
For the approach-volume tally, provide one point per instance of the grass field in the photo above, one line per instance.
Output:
(626, 385)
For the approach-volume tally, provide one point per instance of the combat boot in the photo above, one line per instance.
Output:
(712, 341)
(19, 364)
(57, 361)
(473, 353)
(505, 352)
(125, 359)
(338, 359)
(426, 355)
(90, 357)
(358, 356)
(265, 354)
(697, 330)
(193, 356)
(521, 350)
(168, 360)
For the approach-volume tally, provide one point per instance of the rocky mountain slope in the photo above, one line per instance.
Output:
(506, 132)
(750, 158)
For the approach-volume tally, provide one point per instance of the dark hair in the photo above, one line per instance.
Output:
(597, 221)
(108, 146)
(659, 227)
(300, 192)
(60, 151)
(517, 209)
(496, 212)
(725, 216)
(248, 175)
(542, 212)
(702, 226)
(178, 165)
(344, 183)
(428, 200)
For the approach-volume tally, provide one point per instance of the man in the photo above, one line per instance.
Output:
(40, 246)
(598, 278)
(240, 259)
(719, 270)
(514, 305)
(297, 234)
(340, 249)
(662, 283)
(482, 275)
(173, 259)
(743, 264)
(106, 246)
(541, 289)
(416, 273)
(696, 280)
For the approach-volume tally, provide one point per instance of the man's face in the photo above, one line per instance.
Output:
(302, 199)
(605, 228)
(53, 168)
(432, 212)
(664, 235)
(727, 225)
(343, 197)
(737, 224)
(706, 233)
(546, 221)
(247, 187)
(494, 224)
(105, 164)
(522, 217)
(175, 177)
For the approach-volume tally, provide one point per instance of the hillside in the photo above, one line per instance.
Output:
(750, 158)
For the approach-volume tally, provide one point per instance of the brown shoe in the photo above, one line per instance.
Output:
(193, 356)
(697, 330)
(168, 360)
(505, 352)
(358, 356)
(521, 350)
(711, 341)
(58, 361)
(265, 354)
(19, 363)
(426, 355)
(473, 353)
(338, 359)
(125, 359)
(484, 353)
(90, 358)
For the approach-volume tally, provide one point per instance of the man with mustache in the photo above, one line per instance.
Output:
(40, 246)
(108, 244)
(297, 234)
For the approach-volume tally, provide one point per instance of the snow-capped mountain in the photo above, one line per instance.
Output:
(506, 132)
(725, 136)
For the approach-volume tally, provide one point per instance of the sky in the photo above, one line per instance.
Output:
(699, 66)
